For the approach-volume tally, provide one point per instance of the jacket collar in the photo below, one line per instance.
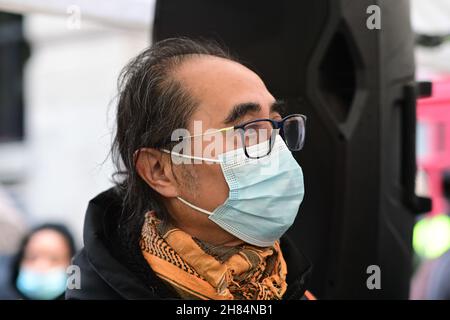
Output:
(106, 206)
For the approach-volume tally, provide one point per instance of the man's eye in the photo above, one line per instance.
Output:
(253, 126)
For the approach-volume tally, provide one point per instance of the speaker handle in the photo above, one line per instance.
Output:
(411, 92)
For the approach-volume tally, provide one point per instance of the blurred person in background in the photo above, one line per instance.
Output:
(12, 224)
(38, 271)
(432, 243)
(12, 230)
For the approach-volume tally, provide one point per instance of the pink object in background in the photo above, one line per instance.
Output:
(433, 156)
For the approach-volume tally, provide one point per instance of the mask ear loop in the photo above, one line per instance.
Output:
(195, 207)
(191, 157)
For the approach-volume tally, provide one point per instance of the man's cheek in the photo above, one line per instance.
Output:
(214, 185)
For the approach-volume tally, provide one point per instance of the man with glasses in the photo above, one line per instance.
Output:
(206, 185)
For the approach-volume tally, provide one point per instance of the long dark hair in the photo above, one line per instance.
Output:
(151, 105)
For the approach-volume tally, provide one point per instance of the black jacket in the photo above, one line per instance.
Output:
(104, 277)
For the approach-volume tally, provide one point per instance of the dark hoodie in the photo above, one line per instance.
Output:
(103, 276)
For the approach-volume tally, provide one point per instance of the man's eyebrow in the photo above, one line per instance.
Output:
(240, 110)
(278, 106)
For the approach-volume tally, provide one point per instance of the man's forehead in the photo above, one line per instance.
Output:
(220, 81)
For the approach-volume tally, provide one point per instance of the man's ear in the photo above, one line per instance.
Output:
(156, 171)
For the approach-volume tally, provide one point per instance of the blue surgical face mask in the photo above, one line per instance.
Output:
(265, 194)
(46, 285)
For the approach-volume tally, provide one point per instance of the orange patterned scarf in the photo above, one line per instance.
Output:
(200, 271)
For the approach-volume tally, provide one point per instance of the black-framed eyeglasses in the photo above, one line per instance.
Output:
(257, 136)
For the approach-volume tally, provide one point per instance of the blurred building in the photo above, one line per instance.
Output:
(70, 86)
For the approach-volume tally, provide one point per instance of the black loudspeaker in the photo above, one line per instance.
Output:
(356, 85)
